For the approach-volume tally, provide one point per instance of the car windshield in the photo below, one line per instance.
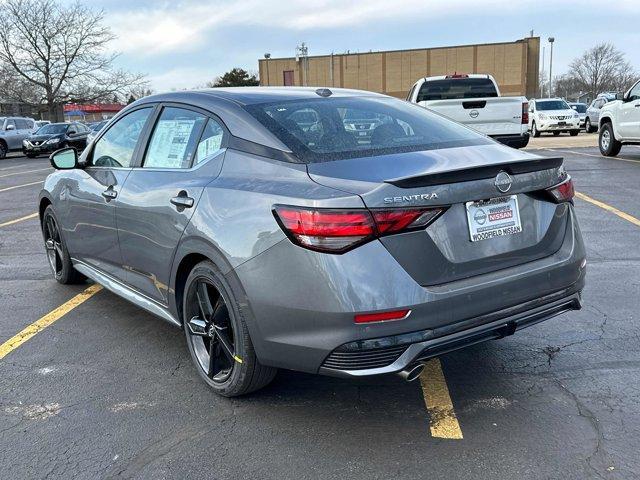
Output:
(52, 129)
(552, 105)
(326, 129)
(451, 88)
(579, 107)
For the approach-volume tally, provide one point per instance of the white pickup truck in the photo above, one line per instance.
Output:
(474, 100)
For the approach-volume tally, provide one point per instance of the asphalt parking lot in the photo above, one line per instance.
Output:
(107, 390)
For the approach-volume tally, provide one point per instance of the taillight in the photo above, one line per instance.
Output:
(338, 230)
(563, 192)
(525, 113)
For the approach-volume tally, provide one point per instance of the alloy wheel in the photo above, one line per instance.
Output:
(605, 140)
(53, 245)
(211, 331)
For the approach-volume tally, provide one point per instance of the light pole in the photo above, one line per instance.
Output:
(267, 56)
(302, 52)
(551, 40)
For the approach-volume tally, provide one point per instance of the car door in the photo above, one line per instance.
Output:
(184, 154)
(23, 127)
(89, 199)
(75, 136)
(12, 134)
(629, 124)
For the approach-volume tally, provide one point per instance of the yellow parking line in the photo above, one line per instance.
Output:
(19, 186)
(39, 325)
(21, 219)
(614, 210)
(444, 423)
(21, 173)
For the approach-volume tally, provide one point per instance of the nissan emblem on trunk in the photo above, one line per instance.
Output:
(503, 182)
(474, 113)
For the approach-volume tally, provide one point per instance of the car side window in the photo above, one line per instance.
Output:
(173, 142)
(634, 94)
(117, 146)
(9, 122)
(210, 142)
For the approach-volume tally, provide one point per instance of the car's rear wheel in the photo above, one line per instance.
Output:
(587, 126)
(609, 146)
(218, 337)
(534, 130)
(573, 133)
(57, 253)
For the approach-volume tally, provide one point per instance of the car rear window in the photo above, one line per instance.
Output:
(579, 107)
(334, 128)
(452, 88)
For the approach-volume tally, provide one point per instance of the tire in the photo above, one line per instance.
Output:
(3, 150)
(229, 372)
(574, 133)
(588, 127)
(555, 134)
(30, 155)
(534, 130)
(609, 146)
(57, 253)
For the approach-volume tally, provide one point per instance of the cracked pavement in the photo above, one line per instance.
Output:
(109, 391)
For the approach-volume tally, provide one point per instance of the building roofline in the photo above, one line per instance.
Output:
(345, 54)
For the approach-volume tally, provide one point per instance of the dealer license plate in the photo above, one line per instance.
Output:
(496, 217)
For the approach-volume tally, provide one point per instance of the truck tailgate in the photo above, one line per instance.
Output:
(491, 116)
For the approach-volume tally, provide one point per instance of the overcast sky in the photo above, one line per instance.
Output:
(185, 43)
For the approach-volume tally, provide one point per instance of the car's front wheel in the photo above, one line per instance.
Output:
(609, 146)
(587, 126)
(218, 337)
(57, 253)
(3, 150)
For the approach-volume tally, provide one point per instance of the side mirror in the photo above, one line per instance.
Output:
(64, 159)
(10, 127)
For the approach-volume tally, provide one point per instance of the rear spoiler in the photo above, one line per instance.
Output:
(477, 173)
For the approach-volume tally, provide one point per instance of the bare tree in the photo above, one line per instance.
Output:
(54, 53)
(602, 68)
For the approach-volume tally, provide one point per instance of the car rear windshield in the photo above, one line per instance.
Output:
(451, 88)
(552, 105)
(52, 129)
(579, 107)
(326, 129)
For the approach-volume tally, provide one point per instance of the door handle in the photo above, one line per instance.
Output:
(182, 200)
(110, 193)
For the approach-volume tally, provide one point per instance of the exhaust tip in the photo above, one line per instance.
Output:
(412, 372)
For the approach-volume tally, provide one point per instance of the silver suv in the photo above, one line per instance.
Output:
(13, 130)
(592, 116)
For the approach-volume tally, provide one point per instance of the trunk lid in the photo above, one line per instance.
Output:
(452, 177)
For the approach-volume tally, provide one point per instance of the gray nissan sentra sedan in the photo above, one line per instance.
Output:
(278, 238)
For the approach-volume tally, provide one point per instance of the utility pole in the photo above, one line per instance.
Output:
(267, 56)
(302, 55)
(543, 65)
(551, 40)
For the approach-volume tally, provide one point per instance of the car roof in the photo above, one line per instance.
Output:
(228, 103)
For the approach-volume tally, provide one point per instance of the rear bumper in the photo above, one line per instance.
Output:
(299, 305)
(513, 141)
(400, 354)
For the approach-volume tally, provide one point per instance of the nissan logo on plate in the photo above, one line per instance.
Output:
(503, 182)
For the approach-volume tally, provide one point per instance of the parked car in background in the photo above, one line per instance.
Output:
(13, 130)
(592, 117)
(474, 100)
(41, 123)
(54, 136)
(94, 129)
(552, 115)
(253, 220)
(620, 122)
(581, 108)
